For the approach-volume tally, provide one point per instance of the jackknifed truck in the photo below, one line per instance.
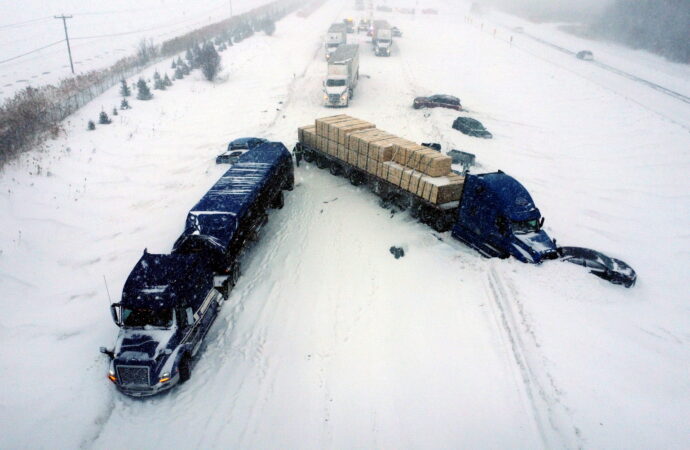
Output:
(342, 76)
(492, 212)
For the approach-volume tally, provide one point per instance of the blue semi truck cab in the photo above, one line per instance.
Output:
(168, 305)
(498, 218)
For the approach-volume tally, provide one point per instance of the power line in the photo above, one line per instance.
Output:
(19, 24)
(32, 51)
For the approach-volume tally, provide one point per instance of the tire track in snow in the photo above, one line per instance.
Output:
(552, 417)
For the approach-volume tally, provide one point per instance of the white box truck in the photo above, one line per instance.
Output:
(342, 75)
(336, 36)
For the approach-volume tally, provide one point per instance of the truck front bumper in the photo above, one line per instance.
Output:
(147, 391)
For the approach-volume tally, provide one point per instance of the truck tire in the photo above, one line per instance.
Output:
(278, 201)
(335, 169)
(308, 156)
(321, 162)
(185, 368)
(440, 223)
(426, 215)
(355, 178)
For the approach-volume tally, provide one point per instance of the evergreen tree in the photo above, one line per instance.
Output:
(209, 61)
(166, 81)
(179, 74)
(156, 76)
(144, 93)
(91, 126)
(173, 65)
(179, 61)
(158, 83)
(269, 27)
(189, 56)
(124, 104)
(124, 89)
(115, 112)
(103, 118)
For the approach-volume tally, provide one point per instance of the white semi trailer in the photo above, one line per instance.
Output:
(336, 36)
(342, 75)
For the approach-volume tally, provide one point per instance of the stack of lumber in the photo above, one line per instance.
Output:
(413, 167)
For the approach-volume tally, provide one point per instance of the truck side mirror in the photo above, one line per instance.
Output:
(115, 311)
(105, 351)
(541, 223)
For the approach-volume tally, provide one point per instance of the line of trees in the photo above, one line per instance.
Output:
(33, 114)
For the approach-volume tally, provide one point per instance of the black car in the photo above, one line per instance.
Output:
(610, 269)
(439, 100)
(395, 31)
(585, 55)
(238, 147)
(471, 127)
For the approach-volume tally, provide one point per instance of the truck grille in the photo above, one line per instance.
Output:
(133, 375)
(334, 98)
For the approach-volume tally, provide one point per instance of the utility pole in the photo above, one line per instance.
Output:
(69, 50)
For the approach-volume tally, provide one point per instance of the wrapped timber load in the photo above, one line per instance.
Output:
(324, 121)
(307, 135)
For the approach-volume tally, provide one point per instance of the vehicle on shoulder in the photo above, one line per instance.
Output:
(384, 8)
(607, 268)
(396, 32)
(364, 25)
(584, 55)
(237, 148)
(429, 11)
(471, 127)
(437, 101)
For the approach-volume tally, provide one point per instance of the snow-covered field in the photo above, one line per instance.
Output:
(100, 33)
(328, 341)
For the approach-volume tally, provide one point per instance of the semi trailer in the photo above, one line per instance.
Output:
(169, 301)
(335, 37)
(382, 38)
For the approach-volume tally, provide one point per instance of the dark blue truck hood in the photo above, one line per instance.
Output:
(513, 199)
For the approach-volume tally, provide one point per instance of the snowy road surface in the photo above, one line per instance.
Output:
(327, 340)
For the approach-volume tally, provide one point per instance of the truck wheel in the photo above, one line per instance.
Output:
(308, 156)
(426, 215)
(355, 178)
(335, 169)
(185, 368)
(439, 223)
(278, 201)
(289, 182)
(321, 162)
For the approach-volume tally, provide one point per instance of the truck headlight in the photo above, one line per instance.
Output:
(325, 96)
(111, 375)
(165, 377)
(343, 96)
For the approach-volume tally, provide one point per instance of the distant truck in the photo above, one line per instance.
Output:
(169, 301)
(336, 36)
(382, 38)
(342, 75)
(492, 213)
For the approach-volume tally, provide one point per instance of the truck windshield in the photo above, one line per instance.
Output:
(332, 83)
(526, 226)
(141, 317)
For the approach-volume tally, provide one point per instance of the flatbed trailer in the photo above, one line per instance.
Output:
(440, 217)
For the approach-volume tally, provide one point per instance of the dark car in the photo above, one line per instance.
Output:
(238, 147)
(443, 101)
(471, 127)
(585, 55)
(395, 31)
(610, 269)
(364, 25)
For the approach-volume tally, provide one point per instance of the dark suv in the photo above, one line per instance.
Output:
(443, 101)
(238, 147)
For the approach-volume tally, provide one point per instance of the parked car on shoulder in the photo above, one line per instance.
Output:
(435, 101)
(585, 55)
(607, 268)
(237, 148)
(395, 31)
(471, 127)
